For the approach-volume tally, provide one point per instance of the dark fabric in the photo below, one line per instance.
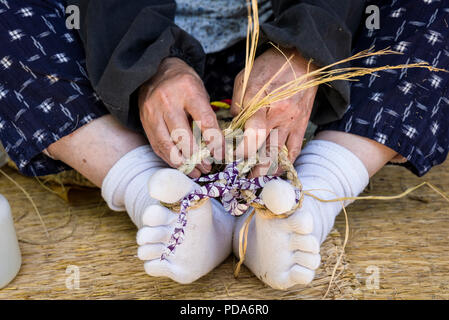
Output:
(407, 110)
(125, 41)
(221, 69)
(122, 56)
(44, 91)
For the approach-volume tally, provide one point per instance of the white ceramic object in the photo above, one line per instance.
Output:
(10, 257)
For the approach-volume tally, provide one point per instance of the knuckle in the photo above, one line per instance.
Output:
(187, 80)
(162, 96)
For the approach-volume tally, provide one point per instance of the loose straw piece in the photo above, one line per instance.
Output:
(243, 242)
(398, 196)
(251, 46)
(401, 195)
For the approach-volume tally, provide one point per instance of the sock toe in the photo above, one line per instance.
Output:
(301, 275)
(158, 268)
(306, 243)
(150, 251)
(149, 235)
(301, 222)
(157, 215)
(308, 260)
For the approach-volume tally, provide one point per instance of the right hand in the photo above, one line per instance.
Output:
(166, 101)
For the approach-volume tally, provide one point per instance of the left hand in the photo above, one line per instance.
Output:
(287, 118)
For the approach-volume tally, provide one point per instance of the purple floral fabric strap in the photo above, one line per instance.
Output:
(226, 185)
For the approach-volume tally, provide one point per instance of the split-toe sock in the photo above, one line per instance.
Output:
(285, 252)
(137, 183)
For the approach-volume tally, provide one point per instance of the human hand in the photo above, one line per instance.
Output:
(166, 103)
(287, 119)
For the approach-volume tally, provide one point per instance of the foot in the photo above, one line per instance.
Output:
(208, 233)
(285, 252)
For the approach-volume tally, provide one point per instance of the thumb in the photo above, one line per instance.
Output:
(237, 95)
(255, 134)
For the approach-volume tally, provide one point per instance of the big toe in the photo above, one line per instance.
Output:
(301, 275)
(158, 268)
(279, 196)
(169, 185)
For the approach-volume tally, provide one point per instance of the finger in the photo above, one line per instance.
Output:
(285, 112)
(204, 116)
(260, 170)
(269, 160)
(294, 143)
(204, 167)
(181, 132)
(195, 173)
(182, 136)
(158, 153)
(155, 146)
(216, 145)
(151, 134)
(254, 136)
(164, 145)
(237, 95)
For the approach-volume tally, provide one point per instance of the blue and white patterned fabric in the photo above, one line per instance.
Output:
(406, 110)
(44, 90)
(217, 24)
(45, 93)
